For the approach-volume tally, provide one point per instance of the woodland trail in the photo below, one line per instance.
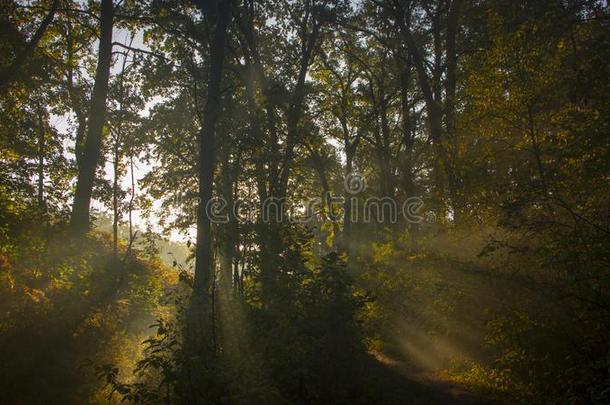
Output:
(425, 387)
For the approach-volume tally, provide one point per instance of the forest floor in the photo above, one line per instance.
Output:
(418, 386)
(435, 305)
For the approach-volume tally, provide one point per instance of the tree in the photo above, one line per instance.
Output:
(95, 124)
(219, 16)
(440, 110)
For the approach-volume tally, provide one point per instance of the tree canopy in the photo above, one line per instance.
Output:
(304, 201)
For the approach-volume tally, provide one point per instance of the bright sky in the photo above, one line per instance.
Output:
(141, 168)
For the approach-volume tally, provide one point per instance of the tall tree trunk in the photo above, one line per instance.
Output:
(454, 177)
(433, 110)
(327, 199)
(118, 140)
(409, 141)
(296, 107)
(432, 97)
(200, 318)
(41, 152)
(131, 198)
(266, 181)
(347, 204)
(115, 199)
(385, 153)
(77, 107)
(407, 133)
(97, 114)
(351, 147)
(228, 232)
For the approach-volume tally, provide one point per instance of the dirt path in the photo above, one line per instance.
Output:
(437, 387)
